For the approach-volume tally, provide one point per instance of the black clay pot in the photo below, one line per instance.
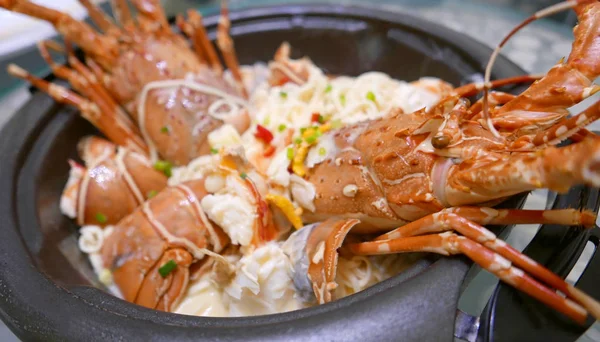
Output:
(48, 291)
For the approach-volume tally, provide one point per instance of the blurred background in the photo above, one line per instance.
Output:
(536, 48)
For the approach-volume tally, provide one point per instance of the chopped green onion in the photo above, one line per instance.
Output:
(371, 96)
(214, 151)
(290, 153)
(283, 94)
(322, 151)
(281, 128)
(302, 130)
(267, 121)
(328, 89)
(343, 99)
(321, 119)
(167, 268)
(152, 193)
(101, 218)
(164, 167)
(337, 123)
(164, 129)
(311, 139)
(298, 140)
(244, 175)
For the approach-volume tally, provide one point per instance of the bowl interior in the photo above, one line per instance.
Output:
(339, 45)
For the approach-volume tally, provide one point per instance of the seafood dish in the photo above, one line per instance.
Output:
(227, 190)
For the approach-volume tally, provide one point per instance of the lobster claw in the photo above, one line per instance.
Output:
(313, 251)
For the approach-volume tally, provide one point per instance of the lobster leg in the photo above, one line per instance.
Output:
(467, 225)
(116, 127)
(100, 18)
(561, 130)
(99, 95)
(200, 35)
(151, 13)
(122, 13)
(225, 44)
(188, 30)
(496, 98)
(451, 244)
(58, 93)
(473, 89)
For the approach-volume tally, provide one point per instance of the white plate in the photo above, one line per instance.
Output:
(18, 31)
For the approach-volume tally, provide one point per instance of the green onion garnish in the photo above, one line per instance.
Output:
(243, 175)
(214, 151)
(328, 89)
(298, 140)
(164, 129)
(371, 96)
(281, 128)
(164, 167)
(321, 119)
(343, 99)
(167, 268)
(101, 218)
(311, 139)
(290, 153)
(267, 121)
(283, 94)
(151, 193)
(322, 151)
(302, 130)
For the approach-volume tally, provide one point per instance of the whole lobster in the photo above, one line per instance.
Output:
(417, 177)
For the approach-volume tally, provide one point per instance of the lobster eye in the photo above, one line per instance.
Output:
(440, 141)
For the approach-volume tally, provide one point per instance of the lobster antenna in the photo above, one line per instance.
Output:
(488, 70)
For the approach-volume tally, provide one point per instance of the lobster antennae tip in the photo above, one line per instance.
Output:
(16, 71)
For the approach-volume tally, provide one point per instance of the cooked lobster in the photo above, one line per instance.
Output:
(174, 95)
(421, 174)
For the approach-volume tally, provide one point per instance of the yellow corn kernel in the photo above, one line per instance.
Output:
(325, 127)
(287, 207)
(298, 162)
(308, 133)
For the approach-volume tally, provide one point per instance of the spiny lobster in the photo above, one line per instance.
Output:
(422, 174)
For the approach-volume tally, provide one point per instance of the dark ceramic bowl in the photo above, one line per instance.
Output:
(48, 290)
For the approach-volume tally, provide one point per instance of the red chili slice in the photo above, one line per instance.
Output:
(315, 117)
(269, 151)
(263, 134)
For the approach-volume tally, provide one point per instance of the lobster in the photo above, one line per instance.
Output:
(419, 180)
(114, 183)
(142, 85)
(153, 252)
